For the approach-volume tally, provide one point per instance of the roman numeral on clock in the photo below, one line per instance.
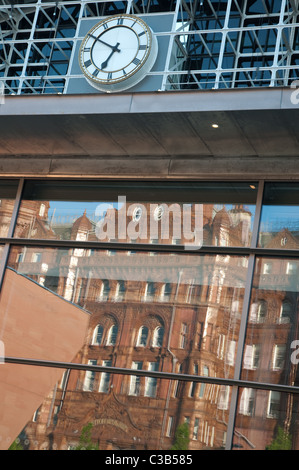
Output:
(87, 63)
(136, 61)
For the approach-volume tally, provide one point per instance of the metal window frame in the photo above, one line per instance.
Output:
(186, 12)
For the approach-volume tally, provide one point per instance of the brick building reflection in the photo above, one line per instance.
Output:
(272, 327)
(164, 312)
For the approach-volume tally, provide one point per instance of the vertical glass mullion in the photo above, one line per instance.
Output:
(16, 208)
(11, 230)
(257, 218)
(243, 324)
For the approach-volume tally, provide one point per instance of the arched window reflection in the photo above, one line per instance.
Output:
(97, 335)
(166, 292)
(119, 291)
(112, 335)
(104, 291)
(158, 337)
(262, 311)
(150, 290)
(258, 311)
(286, 312)
(142, 336)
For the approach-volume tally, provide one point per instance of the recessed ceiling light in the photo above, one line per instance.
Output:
(252, 186)
(215, 126)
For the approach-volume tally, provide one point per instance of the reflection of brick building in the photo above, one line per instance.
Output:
(272, 326)
(147, 313)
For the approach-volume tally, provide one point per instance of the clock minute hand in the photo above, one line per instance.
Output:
(114, 48)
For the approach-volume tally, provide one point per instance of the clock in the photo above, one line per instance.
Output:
(118, 53)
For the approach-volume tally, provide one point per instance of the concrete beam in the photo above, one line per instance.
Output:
(154, 102)
(185, 167)
(152, 135)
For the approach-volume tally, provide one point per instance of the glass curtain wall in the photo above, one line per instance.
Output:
(159, 305)
(212, 44)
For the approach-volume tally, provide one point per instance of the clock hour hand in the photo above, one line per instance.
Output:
(104, 64)
(114, 48)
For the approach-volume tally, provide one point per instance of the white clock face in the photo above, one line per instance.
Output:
(117, 53)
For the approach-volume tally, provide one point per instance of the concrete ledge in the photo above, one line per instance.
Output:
(212, 168)
(154, 102)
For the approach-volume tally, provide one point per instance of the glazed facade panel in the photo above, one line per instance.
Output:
(210, 45)
(173, 333)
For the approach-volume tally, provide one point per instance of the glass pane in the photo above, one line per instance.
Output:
(189, 214)
(109, 418)
(1, 252)
(280, 216)
(200, 315)
(8, 190)
(266, 420)
(270, 353)
(77, 315)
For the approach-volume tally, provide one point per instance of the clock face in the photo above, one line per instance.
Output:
(117, 53)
